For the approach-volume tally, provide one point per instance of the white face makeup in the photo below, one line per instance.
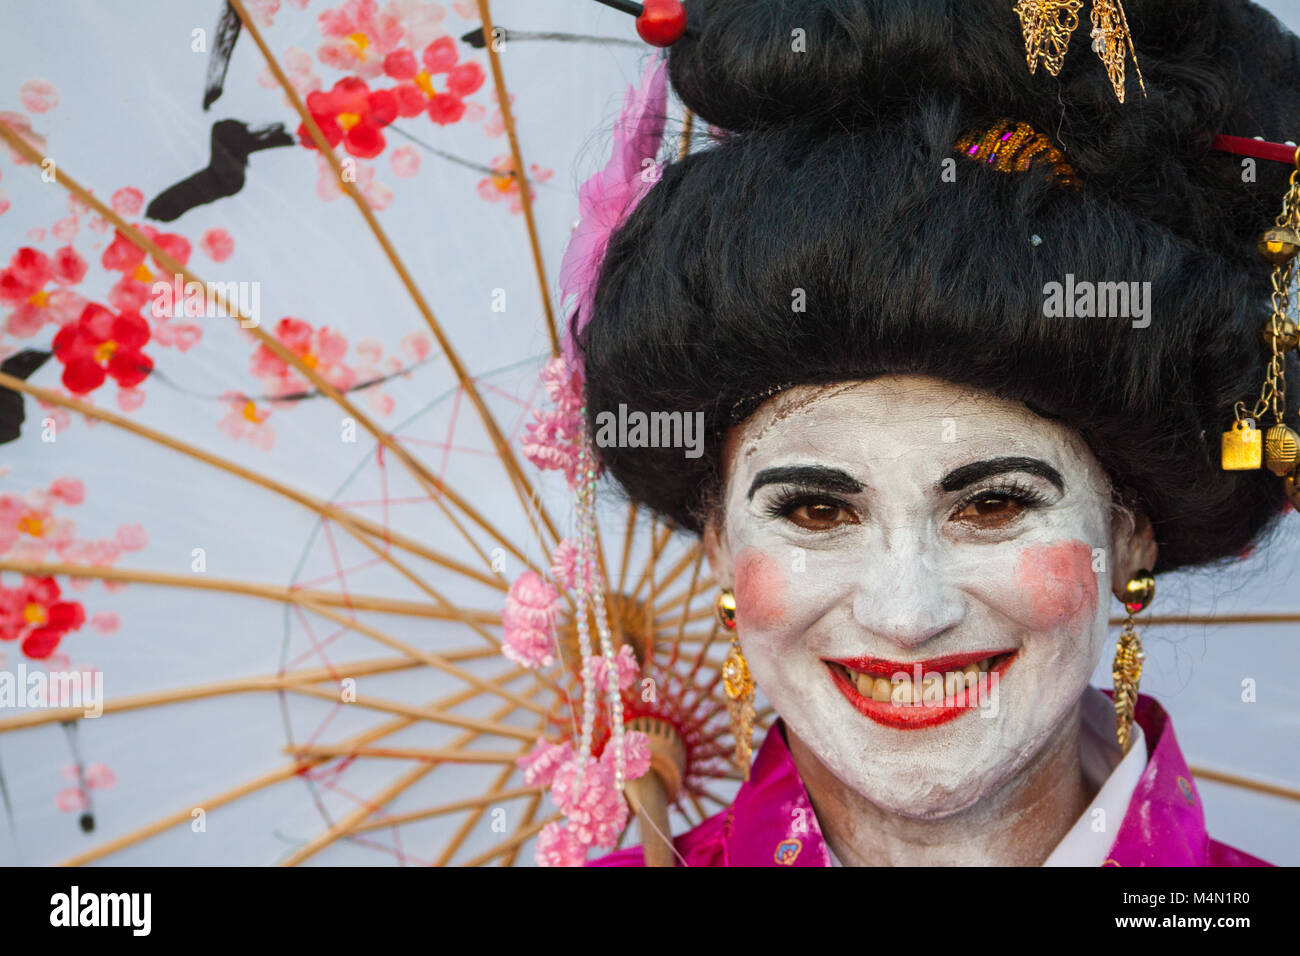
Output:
(904, 520)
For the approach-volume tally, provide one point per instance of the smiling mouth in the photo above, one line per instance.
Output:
(922, 693)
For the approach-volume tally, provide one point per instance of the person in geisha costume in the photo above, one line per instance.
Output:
(859, 284)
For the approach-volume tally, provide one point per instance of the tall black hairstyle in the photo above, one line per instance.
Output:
(830, 180)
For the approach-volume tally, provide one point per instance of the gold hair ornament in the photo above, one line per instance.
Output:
(1244, 446)
(1010, 146)
(1048, 24)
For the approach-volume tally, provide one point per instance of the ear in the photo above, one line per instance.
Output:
(719, 555)
(1133, 546)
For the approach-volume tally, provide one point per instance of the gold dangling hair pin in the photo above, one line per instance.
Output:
(1244, 446)
(1048, 24)
(1127, 669)
(738, 684)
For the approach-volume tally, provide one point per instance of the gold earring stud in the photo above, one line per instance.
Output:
(726, 608)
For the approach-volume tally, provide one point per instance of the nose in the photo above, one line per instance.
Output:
(903, 596)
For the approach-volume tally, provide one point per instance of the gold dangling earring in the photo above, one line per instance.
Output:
(1127, 669)
(738, 684)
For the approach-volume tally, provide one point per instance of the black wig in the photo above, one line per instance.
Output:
(831, 180)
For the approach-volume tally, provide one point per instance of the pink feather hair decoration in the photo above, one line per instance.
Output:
(608, 198)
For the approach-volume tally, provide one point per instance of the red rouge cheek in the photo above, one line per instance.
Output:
(760, 590)
(1058, 582)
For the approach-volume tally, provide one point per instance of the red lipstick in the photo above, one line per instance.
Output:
(919, 713)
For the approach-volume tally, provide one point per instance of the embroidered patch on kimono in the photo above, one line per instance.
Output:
(787, 851)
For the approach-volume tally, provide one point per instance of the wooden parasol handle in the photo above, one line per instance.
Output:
(650, 794)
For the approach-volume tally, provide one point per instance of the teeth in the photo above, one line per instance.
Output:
(934, 687)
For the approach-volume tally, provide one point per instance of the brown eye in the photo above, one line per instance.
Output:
(990, 511)
(820, 516)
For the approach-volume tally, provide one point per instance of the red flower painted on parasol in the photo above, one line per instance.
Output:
(34, 614)
(353, 114)
(101, 344)
(23, 284)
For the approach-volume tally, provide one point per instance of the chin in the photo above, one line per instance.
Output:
(931, 773)
(920, 793)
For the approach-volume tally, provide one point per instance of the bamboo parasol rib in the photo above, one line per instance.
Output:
(1246, 783)
(303, 596)
(686, 606)
(627, 545)
(436, 661)
(657, 547)
(521, 171)
(271, 682)
(415, 816)
(686, 597)
(439, 755)
(423, 713)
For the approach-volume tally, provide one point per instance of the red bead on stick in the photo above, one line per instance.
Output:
(662, 23)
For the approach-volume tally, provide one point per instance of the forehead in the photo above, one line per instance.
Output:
(910, 424)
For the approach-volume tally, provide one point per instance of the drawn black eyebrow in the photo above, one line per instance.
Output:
(966, 475)
(817, 477)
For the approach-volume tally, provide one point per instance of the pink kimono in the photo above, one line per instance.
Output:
(1164, 824)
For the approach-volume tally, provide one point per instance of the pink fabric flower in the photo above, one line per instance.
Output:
(597, 812)
(607, 198)
(540, 763)
(558, 845)
(624, 663)
(552, 440)
(564, 564)
(527, 619)
(563, 386)
(636, 754)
